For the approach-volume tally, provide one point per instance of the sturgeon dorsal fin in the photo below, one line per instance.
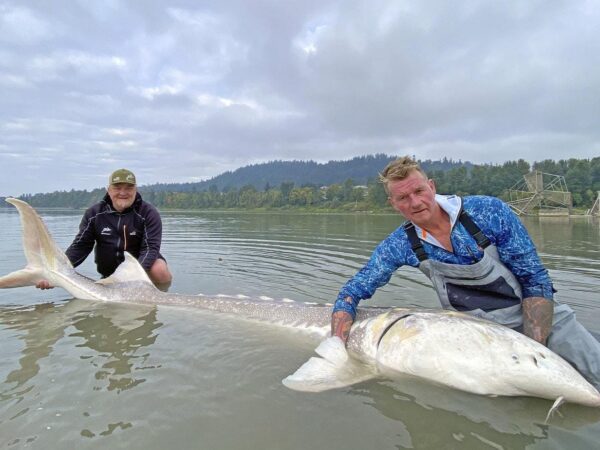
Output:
(334, 370)
(129, 270)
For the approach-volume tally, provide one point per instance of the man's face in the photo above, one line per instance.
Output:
(414, 198)
(122, 195)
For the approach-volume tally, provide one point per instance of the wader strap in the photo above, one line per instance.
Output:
(473, 229)
(415, 242)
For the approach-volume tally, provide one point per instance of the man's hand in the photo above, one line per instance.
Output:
(537, 318)
(341, 322)
(43, 284)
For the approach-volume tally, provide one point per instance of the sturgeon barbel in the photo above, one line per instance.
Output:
(444, 347)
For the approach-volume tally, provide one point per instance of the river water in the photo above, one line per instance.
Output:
(77, 374)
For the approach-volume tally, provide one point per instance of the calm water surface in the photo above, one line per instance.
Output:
(79, 374)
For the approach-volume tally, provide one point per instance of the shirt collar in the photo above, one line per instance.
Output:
(451, 204)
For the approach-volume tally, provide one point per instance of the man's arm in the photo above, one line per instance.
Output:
(152, 237)
(84, 242)
(537, 318)
(389, 255)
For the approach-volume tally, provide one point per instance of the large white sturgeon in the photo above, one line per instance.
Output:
(444, 347)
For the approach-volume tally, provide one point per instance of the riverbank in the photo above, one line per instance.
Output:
(350, 208)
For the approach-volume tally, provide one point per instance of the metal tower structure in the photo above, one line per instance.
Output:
(595, 209)
(542, 192)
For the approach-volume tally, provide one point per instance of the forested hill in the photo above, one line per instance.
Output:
(272, 174)
(350, 185)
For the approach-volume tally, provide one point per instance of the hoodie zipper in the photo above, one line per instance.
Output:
(119, 239)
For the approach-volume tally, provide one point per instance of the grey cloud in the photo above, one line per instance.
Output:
(181, 91)
(21, 26)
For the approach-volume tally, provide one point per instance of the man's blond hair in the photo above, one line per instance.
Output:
(399, 170)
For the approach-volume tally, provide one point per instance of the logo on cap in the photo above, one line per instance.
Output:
(122, 176)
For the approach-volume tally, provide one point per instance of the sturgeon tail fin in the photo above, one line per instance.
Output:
(23, 277)
(41, 251)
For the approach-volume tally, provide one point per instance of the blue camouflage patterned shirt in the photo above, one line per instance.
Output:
(495, 219)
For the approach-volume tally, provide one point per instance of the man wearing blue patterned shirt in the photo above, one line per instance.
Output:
(480, 260)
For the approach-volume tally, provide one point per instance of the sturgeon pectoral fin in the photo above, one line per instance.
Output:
(334, 350)
(334, 370)
(19, 278)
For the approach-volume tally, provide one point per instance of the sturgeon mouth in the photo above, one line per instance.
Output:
(390, 325)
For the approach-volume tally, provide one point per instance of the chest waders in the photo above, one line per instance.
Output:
(488, 289)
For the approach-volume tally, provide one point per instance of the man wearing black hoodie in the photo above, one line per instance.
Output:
(121, 222)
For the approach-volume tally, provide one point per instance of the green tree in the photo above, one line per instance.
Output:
(578, 179)
(376, 194)
(347, 188)
(285, 188)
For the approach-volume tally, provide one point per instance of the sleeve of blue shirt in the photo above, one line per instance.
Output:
(515, 247)
(388, 256)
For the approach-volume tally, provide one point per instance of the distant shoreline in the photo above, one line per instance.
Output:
(578, 213)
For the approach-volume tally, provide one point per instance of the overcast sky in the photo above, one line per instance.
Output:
(182, 91)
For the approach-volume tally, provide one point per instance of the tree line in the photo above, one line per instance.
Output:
(581, 175)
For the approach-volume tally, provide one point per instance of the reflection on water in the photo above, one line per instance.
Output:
(41, 333)
(116, 342)
(80, 374)
(436, 417)
(449, 418)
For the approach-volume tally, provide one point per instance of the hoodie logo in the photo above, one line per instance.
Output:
(133, 233)
(106, 231)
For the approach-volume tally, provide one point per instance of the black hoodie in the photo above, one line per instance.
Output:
(138, 230)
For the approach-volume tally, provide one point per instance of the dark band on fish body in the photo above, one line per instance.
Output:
(390, 326)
